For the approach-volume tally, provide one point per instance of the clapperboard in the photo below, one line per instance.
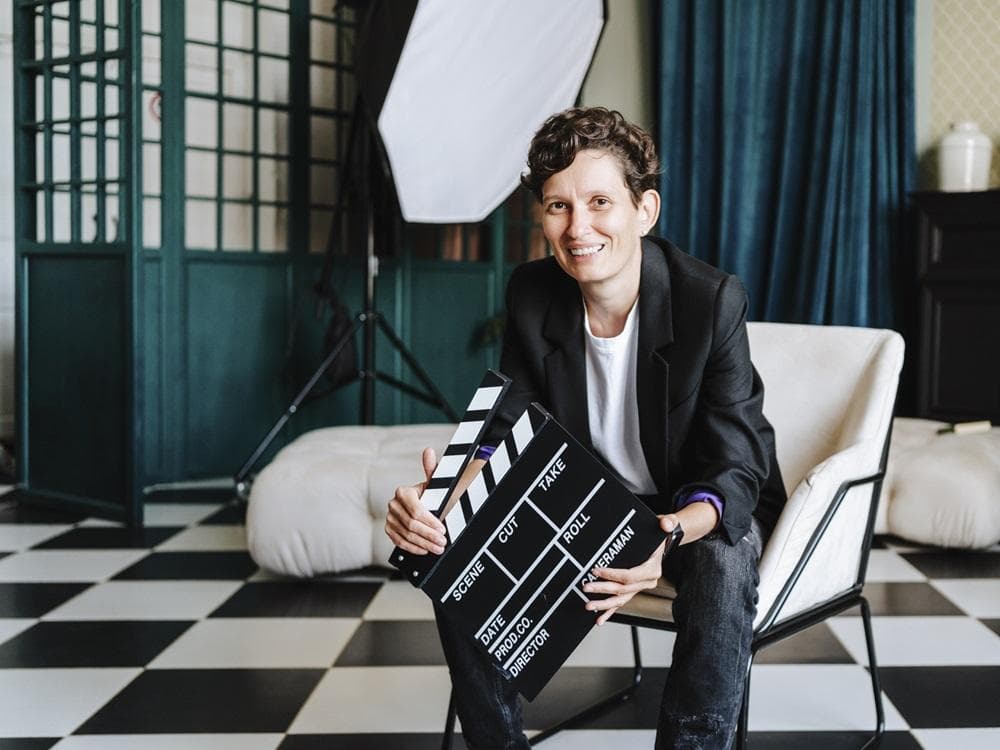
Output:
(523, 538)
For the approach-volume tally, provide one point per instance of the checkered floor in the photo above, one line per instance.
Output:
(171, 638)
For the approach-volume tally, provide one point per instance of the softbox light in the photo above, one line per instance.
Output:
(459, 88)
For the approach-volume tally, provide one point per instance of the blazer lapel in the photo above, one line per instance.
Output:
(656, 333)
(565, 365)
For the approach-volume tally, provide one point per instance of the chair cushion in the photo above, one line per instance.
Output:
(944, 489)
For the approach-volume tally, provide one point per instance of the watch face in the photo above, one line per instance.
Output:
(673, 539)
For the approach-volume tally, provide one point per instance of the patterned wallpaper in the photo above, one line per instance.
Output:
(965, 81)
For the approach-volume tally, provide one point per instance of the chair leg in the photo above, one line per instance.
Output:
(449, 723)
(866, 618)
(743, 722)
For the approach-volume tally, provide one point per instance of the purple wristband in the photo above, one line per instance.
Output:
(485, 452)
(703, 496)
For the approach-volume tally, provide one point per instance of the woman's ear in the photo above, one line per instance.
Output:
(649, 210)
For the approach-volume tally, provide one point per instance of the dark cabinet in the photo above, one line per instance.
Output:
(958, 299)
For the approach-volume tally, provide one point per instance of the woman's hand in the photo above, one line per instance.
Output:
(408, 523)
(621, 584)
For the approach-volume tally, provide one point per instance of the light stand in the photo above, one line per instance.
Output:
(369, 319)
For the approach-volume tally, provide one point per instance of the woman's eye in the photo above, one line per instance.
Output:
(602, 202)
(556, 206)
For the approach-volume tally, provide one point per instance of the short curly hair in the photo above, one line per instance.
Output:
(566, 133)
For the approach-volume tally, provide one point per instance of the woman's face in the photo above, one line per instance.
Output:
(591, 221)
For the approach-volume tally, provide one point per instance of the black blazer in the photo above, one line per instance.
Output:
(699, 397)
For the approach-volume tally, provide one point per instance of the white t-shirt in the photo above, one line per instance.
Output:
(612, 404)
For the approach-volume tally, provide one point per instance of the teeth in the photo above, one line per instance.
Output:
(576, 252)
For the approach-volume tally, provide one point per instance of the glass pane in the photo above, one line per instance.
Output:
(237, 123)
(201, 68)
(60, 217)
(273, 180)
(88, 10)
(60, 99)
(237, 226)
(200, 173)
(200, 20)
(151, 222)
(151, 169)
(272, 136)
(40, 217)
(88, 39)
(151, 60)
(322, 41)
(111, 70)
(322, 87)
(88, 217)
(151, 16)
(200, 124)
(88, 159)
(322, 185)
(112, 225)
(111, 147)
(273, 228)
(40, 159)
(237, 179)
(151, 115)
(237, 25)
(323, 140)
(272, 32)
(110, 39)
(111, 12)
(199, 225)
(60, 157)
(111, 100)
(237, 74)
(60, 30)
(320, 222)
(88, 99)
(323, 7)
(272, 83)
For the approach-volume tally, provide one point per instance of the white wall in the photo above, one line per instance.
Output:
(6, 221)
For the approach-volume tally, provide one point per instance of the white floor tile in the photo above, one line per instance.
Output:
(177, 514)
(212, 538)
(12, 626)
(815, 697)
(611, 646)
(54, 702)
(886, 565)
(67, 565)
(399, 600)
(146, 600)
(409, 699)
(15, 537)
(958, 739)
(259, 642)
(920, 641)
(171, 742)
(980, 597)
(101, 523)
(601, 739)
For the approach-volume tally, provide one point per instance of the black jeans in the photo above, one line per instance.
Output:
(714, 611)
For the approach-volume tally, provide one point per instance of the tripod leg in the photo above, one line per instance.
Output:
(244, 472)
(438, 398)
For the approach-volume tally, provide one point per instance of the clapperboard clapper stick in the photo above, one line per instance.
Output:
(523, 539)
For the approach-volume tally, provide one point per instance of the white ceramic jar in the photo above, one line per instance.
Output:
(964, 159)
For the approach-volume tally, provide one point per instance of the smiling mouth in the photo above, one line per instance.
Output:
(578, 252)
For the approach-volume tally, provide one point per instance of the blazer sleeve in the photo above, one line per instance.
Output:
(725, 446)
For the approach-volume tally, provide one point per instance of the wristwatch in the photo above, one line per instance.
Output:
(673, 539)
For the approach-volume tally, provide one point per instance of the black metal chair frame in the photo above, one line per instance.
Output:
(768, 632)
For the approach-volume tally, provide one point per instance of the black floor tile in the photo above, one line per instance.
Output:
(385, 643)
(28, 743)
(576, 688)
(200, 700)
(368, 742)
(14, 511)
(89, 644)
(828, 741)
(110, 537)
(935, 697)
(955, 563)
(233, 513)
(299, 599)
(193, 495)
(36, 599)
(190, 566)
(993, 625)
(905, 598)
(816, 645)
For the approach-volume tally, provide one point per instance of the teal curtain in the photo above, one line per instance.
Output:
(786, 129)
